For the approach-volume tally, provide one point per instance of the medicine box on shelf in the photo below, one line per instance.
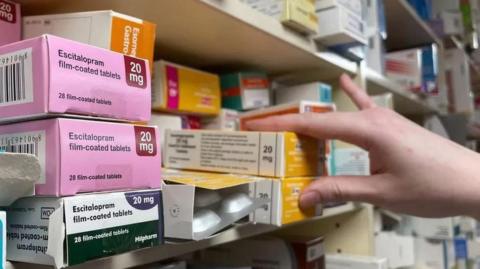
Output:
(73, 230)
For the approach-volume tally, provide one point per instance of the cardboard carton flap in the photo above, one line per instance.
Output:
(211, 181)
(56, 235)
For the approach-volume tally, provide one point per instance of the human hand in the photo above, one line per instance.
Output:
(413, 171)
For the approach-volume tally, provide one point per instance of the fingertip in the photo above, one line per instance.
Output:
(309, 199)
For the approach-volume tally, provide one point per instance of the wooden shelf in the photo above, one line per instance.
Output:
(405, 29)
(170, 250)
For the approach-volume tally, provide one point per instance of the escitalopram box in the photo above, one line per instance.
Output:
(86, 156)
(72, 230)
(51, 75)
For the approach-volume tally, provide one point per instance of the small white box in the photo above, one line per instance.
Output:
(338, 26)
(439, 6)
(375, 58)
(398, 249)
(351, 161)
(191, 216)
(434, 254)
(354, 6)
(443, 228)
(165, 122)
(459, 89)
(452, 22)
(227, 120)
(3, 239)
(341, 261)
(405, 68)
(314, 92)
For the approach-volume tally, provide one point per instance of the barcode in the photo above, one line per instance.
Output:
(29, 148)
(12, 82)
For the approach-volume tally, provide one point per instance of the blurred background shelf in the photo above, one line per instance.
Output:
(405, 28)
(170, 250)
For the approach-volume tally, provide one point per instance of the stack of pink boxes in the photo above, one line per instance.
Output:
(71, 105)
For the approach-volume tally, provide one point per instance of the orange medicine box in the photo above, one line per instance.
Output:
(106, 29)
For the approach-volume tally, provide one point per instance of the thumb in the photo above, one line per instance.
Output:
(340, 189)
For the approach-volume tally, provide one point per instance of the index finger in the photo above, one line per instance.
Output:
(350, 127)
(356, 94)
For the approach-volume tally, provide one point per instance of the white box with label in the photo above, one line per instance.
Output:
(398, 249)
(443, 228)
(457, 73)
(405, 68)
(355, 6)
(227, 120)
(339, 26)
(434, 254)
(313, 91)
(199, 204)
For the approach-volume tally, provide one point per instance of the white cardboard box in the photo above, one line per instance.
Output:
(351, 161)
(341, 261)
(399, 250)
(3, 239)
(105, 29)
(181, 202)
(227, 120)
(458, 81)
(165, 122)
(72, 230)
(439, 6)
(314, 91)
(452, 22)
(443, 228)
(355, 6)
(434, 254)
(339, 26)
(405, 68)
(375, 58)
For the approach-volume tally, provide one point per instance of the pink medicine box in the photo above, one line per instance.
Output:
(10, 22)
(52, 75)
(86, 156)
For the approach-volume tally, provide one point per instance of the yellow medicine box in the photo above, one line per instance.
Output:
(181, 89)
(270, 154)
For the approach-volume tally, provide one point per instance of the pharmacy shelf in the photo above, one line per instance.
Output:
(404, 102)
(405, 28)
(170, 250)
(216, 35)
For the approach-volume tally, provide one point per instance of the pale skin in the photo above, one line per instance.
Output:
(414, 171)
